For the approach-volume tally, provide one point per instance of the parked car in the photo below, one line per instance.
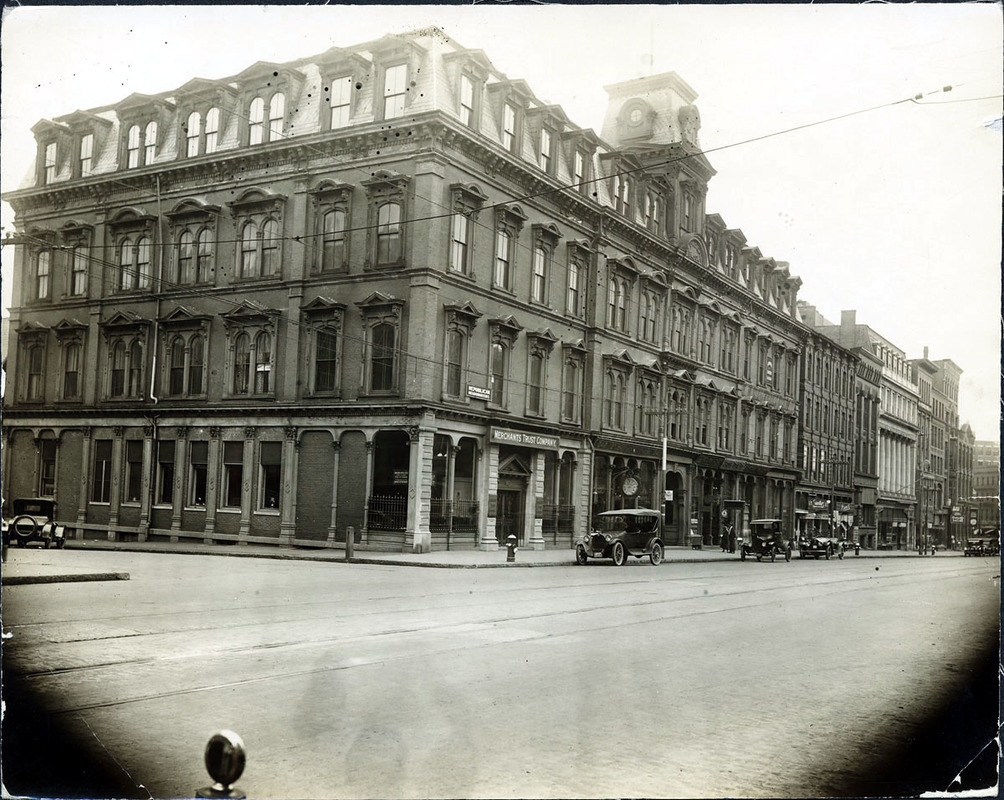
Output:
(982, 547)
(625, 532)
(32, 521)
(816, 546)
(767, 540)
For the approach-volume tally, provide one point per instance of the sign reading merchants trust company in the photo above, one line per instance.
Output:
(522, 438)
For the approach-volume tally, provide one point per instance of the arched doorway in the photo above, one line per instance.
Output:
(514, 476)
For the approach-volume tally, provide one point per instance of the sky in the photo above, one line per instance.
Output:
(894, 212)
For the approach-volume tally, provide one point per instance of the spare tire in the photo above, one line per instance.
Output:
(25, 527)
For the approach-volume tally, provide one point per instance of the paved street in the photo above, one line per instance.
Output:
(806, 679)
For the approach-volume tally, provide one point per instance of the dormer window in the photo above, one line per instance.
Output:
(86, 154)
(509, 127)
(546, 151)
(49, 163)
(340, 101)
(141, 145)
(466, 100)
(258, 132)
(395, 84)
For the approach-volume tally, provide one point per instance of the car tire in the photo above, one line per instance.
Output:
(581, 557)
(22, 534)
(656, 555)
(619, 554)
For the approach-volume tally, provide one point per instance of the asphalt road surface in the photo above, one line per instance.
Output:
(861, 677)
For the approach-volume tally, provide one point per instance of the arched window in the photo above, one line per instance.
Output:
(176, 385)
(389, 233)
(150, 142)
(132, 147)
(71, 372)
(212, 129)
(242, 363)
(136, 370)
(382, 362)
(127, 269)
(326, 361)
(193, 132)
(276, 111)
(263, 363)
(144, 267)
(503, 259)
(43, 263)
(196, 364)
(498, 375)
(574, 297)
(204, 256)
(186, 258)
(117, 388)
(256, 118)
(249, 250)
(454, 363)
(270, 248)
(333, 243)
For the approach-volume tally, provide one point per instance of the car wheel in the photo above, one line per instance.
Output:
(24, 528)
(581, 557)
(787, 554)
(619, 554)
(656, 554)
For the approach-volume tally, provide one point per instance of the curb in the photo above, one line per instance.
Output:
(23, 580)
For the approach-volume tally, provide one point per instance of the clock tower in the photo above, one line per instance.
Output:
(657, 110)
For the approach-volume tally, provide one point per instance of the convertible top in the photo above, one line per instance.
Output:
(631, 512)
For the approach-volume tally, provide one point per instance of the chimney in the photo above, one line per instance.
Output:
(925, 352)
(848, 319)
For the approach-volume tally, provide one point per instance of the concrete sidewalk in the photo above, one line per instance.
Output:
(47, 566)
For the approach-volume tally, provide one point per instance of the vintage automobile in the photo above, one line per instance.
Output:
(816, 546)
(32, 522)
(767, 540)
(982, 546)
(625, 532)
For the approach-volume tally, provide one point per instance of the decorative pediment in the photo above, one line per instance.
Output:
(547, 231)
(256, 196)
(469, 193)
(193, 206)
(47, 127)
(122, 322)
(329, 189)
(510, 214)
(622, 357)
(33, 329)
(504, 329)
(514, 466)
(84, 120)
(688, 292)
(541, 341)
(203, 89)
(474, 59)
(131, 215)
(378, 300)
(340, 58)
(624, 264)
(182, 317)
(695, 249)
(249, 312)
(137, 103)
(577, 346)
(386, 180)
(69, 329)
(322, 305)
(466, 314)
(271, 73)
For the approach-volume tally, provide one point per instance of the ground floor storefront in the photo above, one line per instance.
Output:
(402, 480)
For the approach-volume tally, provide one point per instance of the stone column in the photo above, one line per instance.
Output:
(417, 533)
(534, 515)
(212, 482)
(336, 446)
(248, 469)
(144, 497)
(180, 462)
(489, 541)
(290, 458)
(367, 489)
(115, 495)
(85, 474)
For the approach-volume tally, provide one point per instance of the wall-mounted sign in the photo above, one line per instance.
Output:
(668, 496)
(522, 438)
(401, 477)
(478, 393)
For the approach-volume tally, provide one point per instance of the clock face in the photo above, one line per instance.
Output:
(635, 116)
(629, 487)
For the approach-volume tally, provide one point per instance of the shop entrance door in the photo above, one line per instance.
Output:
(510, 515)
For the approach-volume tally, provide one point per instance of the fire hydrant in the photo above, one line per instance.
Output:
(510, 544)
